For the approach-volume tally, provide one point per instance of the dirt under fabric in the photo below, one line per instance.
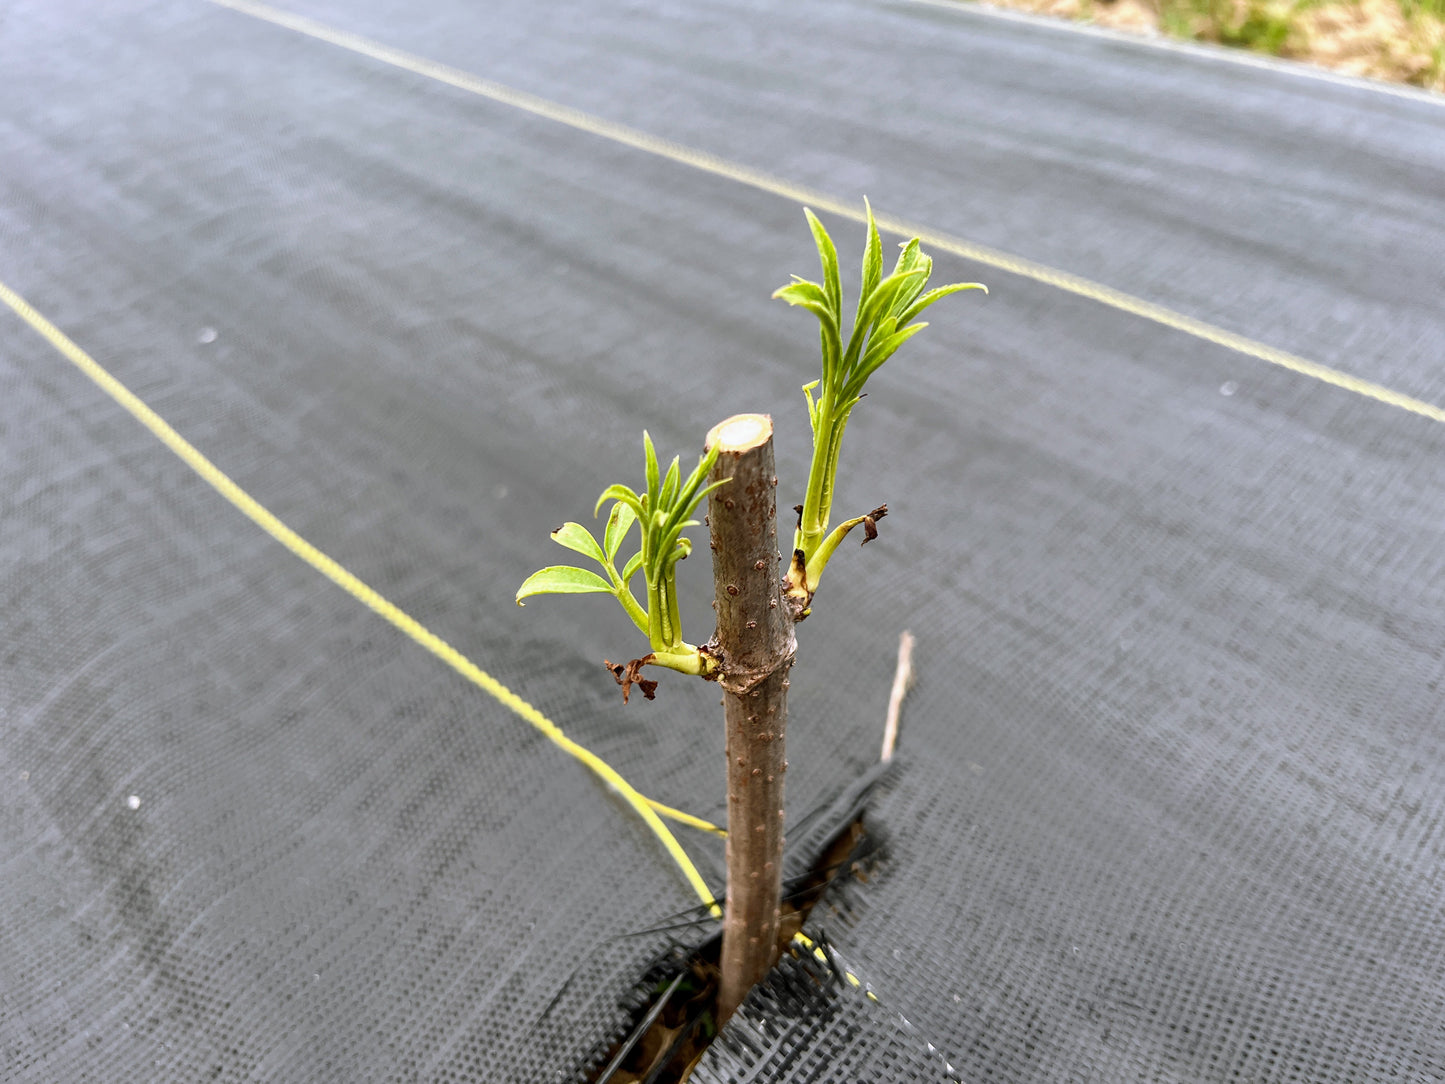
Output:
(1173, 776)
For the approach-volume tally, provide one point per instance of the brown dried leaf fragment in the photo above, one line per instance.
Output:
(630, 675)
(870, 523)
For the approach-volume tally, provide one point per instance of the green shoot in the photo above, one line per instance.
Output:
(883, 322)
(662, 512)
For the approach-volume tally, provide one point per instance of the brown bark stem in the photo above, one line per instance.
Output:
(755, 641)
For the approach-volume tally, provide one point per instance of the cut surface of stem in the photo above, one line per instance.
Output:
(755, 643)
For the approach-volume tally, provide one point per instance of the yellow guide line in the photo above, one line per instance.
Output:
(268, 522)
(733, 171)
(688, 819)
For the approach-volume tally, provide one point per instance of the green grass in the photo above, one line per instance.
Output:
(1262, 27)
(1424, 7)
(1273, 27)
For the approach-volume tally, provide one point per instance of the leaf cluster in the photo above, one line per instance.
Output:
(661, 510)
(882, 322)
(884, 318)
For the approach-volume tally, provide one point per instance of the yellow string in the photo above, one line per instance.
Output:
(354, 587)
(688, 819)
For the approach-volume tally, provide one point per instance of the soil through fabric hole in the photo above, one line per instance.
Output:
(674, 1025)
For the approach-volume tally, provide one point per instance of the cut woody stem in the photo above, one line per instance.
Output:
(755, 642)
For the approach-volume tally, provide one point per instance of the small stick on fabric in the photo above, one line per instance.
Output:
(902, 679)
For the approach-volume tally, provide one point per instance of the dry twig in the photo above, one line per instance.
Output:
(902, 679)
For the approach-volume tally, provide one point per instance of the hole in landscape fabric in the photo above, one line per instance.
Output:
(674, 1020)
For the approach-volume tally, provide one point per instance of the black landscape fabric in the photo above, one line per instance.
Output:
(1169, 798)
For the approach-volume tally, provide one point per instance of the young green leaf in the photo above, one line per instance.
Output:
(877, 306)
(810, 296)
(562, 580)
(828, 257)
(577, 537)
(802, 292)
(669, 484)
(872, 261)
(618, 492)
(618, 524)
(936, 294)
(880, 349)
(909, 256)
(812, 407)
(630, 569)
(691, 492)
(653, 474)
